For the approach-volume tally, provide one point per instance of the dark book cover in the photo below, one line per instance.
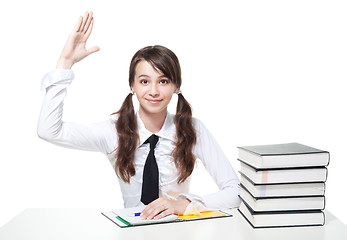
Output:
(282, 149)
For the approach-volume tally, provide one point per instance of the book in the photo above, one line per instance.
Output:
(282, 203)
(286, 175)
(283, 156)
(129, 217)
(283, 189)
(282, 219)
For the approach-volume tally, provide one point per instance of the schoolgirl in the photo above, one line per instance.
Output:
(152, 151)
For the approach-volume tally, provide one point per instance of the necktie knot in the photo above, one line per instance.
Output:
(152, 140)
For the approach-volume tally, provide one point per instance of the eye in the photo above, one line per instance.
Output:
(164, 81)
(144, 82)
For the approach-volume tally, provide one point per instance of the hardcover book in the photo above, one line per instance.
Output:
(283, 189)
(285, 175)
(283, 156)
(282, 203)
(282, 219)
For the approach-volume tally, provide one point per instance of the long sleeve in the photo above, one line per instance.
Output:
(219, 167)
(93, 137)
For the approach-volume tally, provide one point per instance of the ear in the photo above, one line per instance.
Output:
(178, 91)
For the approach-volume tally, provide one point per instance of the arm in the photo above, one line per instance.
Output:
(219, 167)
(93, 137)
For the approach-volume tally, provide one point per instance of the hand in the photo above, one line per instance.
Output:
(75, 46)
(162, 207)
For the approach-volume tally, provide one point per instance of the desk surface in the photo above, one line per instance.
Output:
(36, 224)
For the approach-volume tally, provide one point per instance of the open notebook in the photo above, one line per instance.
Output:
(127, 217)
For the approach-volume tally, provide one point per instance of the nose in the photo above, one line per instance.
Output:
(154, 91)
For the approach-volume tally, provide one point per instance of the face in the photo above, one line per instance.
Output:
(153, 90)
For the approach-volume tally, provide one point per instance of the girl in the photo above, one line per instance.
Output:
(155, 174)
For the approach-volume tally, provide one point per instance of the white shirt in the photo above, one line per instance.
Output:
(103, 137)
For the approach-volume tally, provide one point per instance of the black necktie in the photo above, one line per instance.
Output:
(150, 183)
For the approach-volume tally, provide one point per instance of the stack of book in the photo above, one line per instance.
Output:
(283, 185)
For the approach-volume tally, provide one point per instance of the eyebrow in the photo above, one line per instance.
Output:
(144, 75)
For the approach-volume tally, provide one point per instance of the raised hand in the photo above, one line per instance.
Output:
(75, 46)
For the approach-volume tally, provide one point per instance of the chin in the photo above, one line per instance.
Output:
(154, 110)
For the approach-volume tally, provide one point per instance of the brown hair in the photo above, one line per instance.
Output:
(166, 61)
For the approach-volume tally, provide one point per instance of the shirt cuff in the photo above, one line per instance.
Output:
(58, 75)
(196, 205)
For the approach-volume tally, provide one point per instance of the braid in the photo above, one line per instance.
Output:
(126, 126)
(186, 139)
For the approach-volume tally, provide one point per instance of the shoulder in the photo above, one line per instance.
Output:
(198, 125)
(114, 117)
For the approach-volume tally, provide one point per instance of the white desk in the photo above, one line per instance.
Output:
(62, 224)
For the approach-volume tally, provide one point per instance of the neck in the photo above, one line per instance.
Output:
(153, 121)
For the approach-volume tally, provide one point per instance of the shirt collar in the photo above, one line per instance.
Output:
(168, 130)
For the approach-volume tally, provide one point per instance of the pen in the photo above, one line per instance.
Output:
(135, 214)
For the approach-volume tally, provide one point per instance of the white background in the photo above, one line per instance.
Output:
(255, 72)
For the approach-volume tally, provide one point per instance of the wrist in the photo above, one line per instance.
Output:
(64, 63)
(184, 204)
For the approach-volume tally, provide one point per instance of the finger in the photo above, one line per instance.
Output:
(78, 24)
(93, 50)
(89, 31)
(155, 213)
(90, 19)
(146, 212)
(150, 208)
(85, 18)
(159, 209)
(163, 214)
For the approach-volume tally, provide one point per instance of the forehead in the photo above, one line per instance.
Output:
(145, 68)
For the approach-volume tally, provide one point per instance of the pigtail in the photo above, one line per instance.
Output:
(185, 139)
(126, 126)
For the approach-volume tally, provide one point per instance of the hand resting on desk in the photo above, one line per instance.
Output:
(162, 207)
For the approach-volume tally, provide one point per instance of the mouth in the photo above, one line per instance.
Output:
(153, 101)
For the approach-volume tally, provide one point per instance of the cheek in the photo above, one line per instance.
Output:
(139, 91)
(140, 95)
(169, 93)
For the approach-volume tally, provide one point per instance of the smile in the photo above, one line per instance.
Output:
(153, 101)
